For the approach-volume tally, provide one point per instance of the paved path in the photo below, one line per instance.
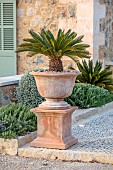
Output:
(95, 142)
(95, 135)
(17, 163)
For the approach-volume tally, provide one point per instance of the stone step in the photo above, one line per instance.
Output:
(65, 155)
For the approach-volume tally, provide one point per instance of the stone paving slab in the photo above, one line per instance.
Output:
(95, 143)
(65, 155)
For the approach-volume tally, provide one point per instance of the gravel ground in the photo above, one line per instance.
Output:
(96, 135)
(17, 163)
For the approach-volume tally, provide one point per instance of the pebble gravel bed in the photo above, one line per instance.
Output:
(95, 135)
(18, 163)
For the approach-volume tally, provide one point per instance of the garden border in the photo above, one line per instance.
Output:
(65, 155)
(21, 147)
(10, 146)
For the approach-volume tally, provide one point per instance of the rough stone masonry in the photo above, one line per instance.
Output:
(92, 18)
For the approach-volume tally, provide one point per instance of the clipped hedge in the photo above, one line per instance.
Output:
(16, 120)
(87, 95)
(27, 92)
(83, 95)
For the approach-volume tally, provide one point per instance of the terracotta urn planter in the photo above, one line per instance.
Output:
(54, 87)
(54, 115)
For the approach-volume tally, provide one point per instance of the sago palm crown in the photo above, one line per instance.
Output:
(65, 44)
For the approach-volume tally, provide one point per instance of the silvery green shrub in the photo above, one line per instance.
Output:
(16, 120)
(87, 96)
(27, 92)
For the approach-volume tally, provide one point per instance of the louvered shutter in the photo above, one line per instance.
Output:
(7, 37)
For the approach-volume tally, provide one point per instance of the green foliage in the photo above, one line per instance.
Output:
(95, 75)
(87, 95)
(65, 44)
(27, 92)
(16, 120)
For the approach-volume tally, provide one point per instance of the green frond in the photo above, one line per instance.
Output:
(77, 40)
(50, 35)
(31, 40)
(94, 74)
(65, 44)
(75, 59)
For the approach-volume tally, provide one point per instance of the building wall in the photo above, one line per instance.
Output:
(52, 14)
(86, 17)
(8, 94)
(106, 26)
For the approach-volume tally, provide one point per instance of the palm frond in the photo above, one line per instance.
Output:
(95, 75)
(65, 44)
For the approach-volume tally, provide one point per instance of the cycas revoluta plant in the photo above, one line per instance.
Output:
(95, 75)
(65, 44)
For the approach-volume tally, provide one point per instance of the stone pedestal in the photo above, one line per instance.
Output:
(54, 128)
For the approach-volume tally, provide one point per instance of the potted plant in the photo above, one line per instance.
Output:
(55, 84)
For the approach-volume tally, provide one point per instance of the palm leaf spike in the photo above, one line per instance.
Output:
(66, 40)
(50, 35)
(91, 66)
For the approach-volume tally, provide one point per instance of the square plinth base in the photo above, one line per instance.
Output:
(41, 142)
(54, 129)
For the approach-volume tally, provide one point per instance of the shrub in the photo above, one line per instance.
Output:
(16, 120)
(87, 95)
(95, 75)
(27, 92)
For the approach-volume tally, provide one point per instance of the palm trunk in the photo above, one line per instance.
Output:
(55, 64)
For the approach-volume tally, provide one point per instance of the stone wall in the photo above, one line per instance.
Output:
(8, 89)
(7, 94)
(52, 14)
(106, 26)
(92, 18)
(98, 34)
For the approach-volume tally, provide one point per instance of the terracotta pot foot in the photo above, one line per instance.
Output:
(54, 128)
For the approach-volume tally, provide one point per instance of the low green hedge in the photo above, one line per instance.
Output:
(83, 95)
(16, 120)
(87, 95)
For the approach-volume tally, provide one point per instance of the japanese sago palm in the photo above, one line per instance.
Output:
(93, 74)
(65, 44)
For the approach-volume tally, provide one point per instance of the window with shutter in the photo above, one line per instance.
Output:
(7, 37)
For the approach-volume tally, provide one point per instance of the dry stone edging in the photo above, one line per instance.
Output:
(10, 146)
(65, 155)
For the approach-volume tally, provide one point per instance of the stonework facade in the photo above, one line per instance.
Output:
(8, 94)
(108, 31)
(91, 18)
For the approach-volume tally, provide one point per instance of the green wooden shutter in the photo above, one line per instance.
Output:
(7, 37)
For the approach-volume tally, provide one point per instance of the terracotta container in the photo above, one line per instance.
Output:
(54, 115)
(54, 87)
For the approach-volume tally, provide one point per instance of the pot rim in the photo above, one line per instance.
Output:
(50, 73)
